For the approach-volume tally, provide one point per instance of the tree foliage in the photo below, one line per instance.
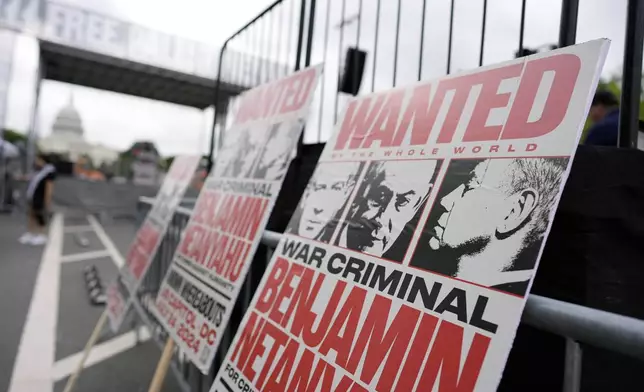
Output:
(14, 137)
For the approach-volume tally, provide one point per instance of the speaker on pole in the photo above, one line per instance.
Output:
(351, 76)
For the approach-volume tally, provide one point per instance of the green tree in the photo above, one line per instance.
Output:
(168, 162)
(14, 137)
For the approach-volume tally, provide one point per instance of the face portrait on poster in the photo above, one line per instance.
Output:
(489, 220)
(278, 150)
(238, 155)
(259, 153)
(325, 199)
(386, 209)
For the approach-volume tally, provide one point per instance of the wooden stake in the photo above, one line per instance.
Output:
(88, 347)
(162, 367)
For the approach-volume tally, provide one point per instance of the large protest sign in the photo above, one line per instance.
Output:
(407, 263)
(148, 238)
(209, 267)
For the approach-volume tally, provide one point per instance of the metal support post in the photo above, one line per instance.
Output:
(572, 370)
(568, 22)
(33, 123)
(631, 75)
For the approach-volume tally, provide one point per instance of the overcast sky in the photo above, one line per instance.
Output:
(118, 120)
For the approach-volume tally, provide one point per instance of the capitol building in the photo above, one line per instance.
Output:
(67, 139)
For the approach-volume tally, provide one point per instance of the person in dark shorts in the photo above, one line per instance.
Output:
(39, 192)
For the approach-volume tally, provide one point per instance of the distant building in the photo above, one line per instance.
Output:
(67, 139)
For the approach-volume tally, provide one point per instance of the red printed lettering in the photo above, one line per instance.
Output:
(445, 356)
(271, 287)
(247, 339)
(358, 119)
(566, 69)
(488, 100)
(379, 342)
(347, 319)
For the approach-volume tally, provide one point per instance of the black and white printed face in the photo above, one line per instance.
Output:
(391, 200)
(473, 210)
(327, 192)
(279, 148)
(229, 150)
(240, 149)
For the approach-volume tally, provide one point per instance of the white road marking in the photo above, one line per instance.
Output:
(84, 256)
(32, 371)
(99, 353)
(107, 242)
(78, 229)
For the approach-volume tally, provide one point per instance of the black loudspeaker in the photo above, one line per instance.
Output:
(351, 76)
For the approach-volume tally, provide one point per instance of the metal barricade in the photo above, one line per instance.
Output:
(578, 324)
(404, 41)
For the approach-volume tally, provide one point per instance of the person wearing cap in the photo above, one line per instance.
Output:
(604, 113)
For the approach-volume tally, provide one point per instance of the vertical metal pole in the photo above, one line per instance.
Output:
(449, 40)
(522, 27)
(271, 39)
(256, 52)
(396, 43)
(280, 35)
(631, 75)
(568, 22)
(481, 51)
(300, 35)
(309, 40)
(307, 59)
(341, 43)
(290, 32)
(572, 370)
(326, 46)
(3, 115)
(248, 58)
(422, 40)
(214, 121)
(266, 46)
(356, 82)
(375, 48)
(33, 123)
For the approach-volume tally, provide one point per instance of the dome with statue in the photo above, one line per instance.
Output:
(67, 139)
(68, 120)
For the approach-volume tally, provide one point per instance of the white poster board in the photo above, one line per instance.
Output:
(407, 263)
(148, 238)
(217, 247)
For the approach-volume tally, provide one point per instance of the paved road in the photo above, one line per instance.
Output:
(122, 364)
(18, 269)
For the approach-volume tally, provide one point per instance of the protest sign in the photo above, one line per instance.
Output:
(408, 260)
(148, 237)
(209, 267)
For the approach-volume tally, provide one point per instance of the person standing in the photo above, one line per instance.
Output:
(39, 195)
(604, 113)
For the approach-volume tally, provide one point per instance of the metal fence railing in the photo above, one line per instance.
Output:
(578, 324)
(412, 40)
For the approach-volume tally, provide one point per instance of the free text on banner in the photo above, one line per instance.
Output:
(408, 260)
(210, 264)
(142, 250)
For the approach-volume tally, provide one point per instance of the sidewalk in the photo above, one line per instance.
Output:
(18, 269)
(45, 304)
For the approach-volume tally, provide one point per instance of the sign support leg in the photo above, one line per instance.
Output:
(88, 347)
(162, 366)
